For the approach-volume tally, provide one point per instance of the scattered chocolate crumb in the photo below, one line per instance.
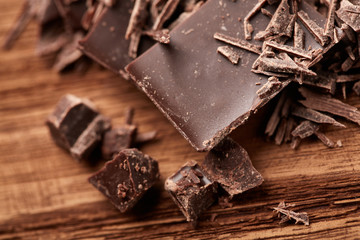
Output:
(287, 215)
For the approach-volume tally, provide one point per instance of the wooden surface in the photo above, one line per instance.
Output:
(44, 193)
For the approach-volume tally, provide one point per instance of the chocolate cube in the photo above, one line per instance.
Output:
(191, 190)
(77, 126)
(126, 178)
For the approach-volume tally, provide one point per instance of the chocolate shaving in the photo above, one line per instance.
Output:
(350, 14)
(282, 208)
(299, 37)
(229, 53)
(275, 116)
(141, 138)
(281, 24)
(270, 87)
(343, 78)
(313, 28)
(330, 20)
(314, 116)
(295, 142)
(325, 103)
(280, 133)
(285, 65)
(237, 42)
(69, 53)
(270, 74)
(248, 29)
(134, 44)
(290, 124)
(356, 88)
(289, 49)
(137, 17)
(324, 139)
(305, 129)
(323, 81)
(161, 36)
(266, 12)
(27, 13)
(165, 14)
(343, 89)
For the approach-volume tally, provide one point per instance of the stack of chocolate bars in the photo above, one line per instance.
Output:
(210, 65)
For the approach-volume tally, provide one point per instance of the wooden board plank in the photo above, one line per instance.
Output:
(44, 192)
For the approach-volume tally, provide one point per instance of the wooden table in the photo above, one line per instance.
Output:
(44, 193)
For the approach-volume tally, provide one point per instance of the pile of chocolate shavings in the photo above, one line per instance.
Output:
(308, 104)
(63, 23)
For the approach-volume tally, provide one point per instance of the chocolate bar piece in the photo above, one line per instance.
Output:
(230, 166)
(77, 126)
(191, 190)
(201, 93)
(106, 43)
(126, 178)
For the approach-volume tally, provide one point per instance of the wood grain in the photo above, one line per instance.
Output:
(44, 193)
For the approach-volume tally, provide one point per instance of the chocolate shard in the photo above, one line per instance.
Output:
(275, 116)
(325, 140)
(305, 129)
(356, 88)
(325, 103)
(314, 116)
(350, 14)
(298, 52)
(126, 178)
(330, 20)
(69, 54)
(248, 29)
(161, 36)
(72, 13)
(280, 133)
(279, 24)
(282, 208)
(141, 138)
(230, 166)
(191, 189)
(237, 42)
(165, 14)
(191, 94)
(137, 17)
(313, 28)
(77, 126)
(52, 38)
(324, 81)
(117, 139)
(229, 53)
(270, 87)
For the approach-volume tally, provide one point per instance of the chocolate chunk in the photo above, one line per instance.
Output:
(77, 126)
(126, 178)
(189, 94)
(230, 166)
(192, 191)
(287, 214)
(110, 28)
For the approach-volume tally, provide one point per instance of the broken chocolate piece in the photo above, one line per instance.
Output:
(270, 87)
(324, 139)
(126, 178)
(298, 52)
(191, 190)
(237, 42)
(330, 20)
(77, 126)
(282, 208)
(230, 166)
(165, 14)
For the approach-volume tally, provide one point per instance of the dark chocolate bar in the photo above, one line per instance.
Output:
(126, 178)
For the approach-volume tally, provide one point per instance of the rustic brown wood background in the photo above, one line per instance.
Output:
(44, 193)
